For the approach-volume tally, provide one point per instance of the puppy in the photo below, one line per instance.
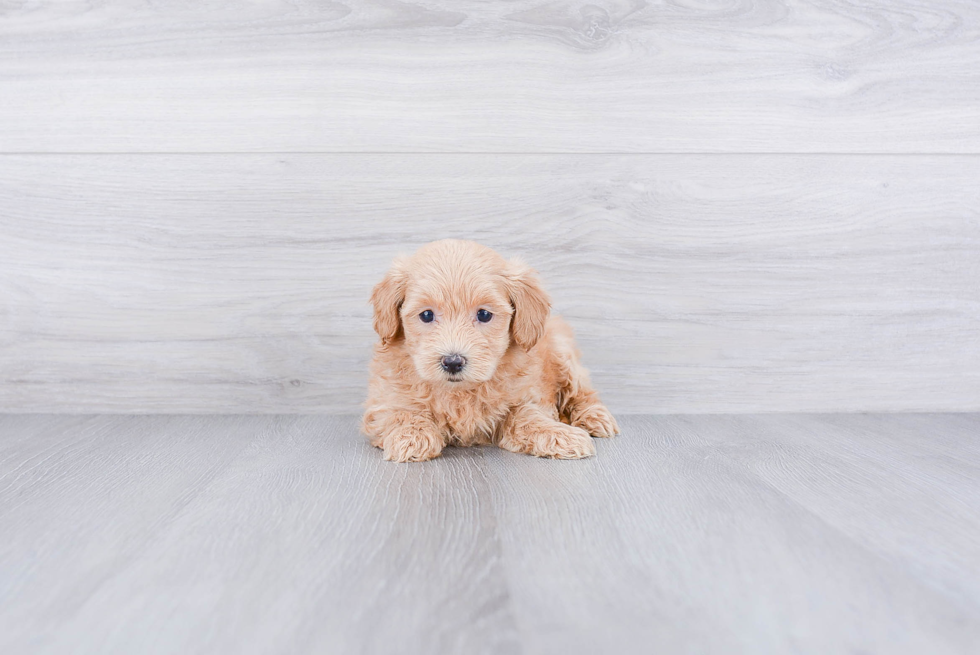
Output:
(469, 355)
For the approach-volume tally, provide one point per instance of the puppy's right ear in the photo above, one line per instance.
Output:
(387, 299)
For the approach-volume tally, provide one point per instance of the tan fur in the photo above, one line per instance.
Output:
(522, 388)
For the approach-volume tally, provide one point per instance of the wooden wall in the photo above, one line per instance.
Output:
(740, 206)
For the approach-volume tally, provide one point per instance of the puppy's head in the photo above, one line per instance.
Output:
(459, 306)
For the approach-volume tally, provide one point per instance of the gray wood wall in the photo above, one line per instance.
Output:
(740, 206)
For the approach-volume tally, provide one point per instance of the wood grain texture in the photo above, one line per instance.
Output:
(755, 534)
(522, 76)
(229, 283)
(240, 534)
(747, 534)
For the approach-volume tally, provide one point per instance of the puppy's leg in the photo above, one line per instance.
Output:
(405, 436)
(529, 429)
(586, 411)
(578, 402)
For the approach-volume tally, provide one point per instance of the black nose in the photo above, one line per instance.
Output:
(453, 363)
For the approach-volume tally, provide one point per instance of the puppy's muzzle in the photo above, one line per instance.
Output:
(453, 364)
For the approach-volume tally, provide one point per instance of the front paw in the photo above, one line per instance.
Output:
(597, 421)
(412, 445)
(561, 441)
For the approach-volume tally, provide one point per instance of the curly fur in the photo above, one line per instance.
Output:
(522, 387)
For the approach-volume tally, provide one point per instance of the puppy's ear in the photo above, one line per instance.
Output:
(531, 304)
(387, 298)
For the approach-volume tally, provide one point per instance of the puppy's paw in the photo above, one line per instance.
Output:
(412, 445)
(597, 421)
(560, 441)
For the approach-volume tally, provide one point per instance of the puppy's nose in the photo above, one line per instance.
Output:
(453, 363)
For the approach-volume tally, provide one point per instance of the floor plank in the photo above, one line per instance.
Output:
(237, 283)
(868, 464)
(81, 499)
(687, 535)
(521, 76)
(761, 534)
(305, 542)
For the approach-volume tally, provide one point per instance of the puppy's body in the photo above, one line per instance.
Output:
(469, 355)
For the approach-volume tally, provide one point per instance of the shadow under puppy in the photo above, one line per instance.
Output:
(469, 354)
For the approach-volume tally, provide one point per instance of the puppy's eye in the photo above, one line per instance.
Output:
(427, 316)
(483, 316)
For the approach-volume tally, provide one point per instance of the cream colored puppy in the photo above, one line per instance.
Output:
(469, 355)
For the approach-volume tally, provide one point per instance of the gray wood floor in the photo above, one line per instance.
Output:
(273, 534)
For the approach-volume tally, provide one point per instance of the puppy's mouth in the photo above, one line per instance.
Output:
(455, 378)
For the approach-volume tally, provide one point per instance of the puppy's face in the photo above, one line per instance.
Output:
(459, 306)
(456, 330)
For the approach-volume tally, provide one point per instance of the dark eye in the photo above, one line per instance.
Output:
(483, 316)
(427, 316)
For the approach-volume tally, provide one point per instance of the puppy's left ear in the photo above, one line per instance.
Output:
(531, 304)
(387, 298)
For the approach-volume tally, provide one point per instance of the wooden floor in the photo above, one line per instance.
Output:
(288, 534)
